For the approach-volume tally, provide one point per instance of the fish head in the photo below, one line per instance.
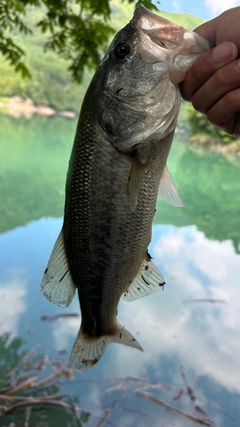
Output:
(139, 77)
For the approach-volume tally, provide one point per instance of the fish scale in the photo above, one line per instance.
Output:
(112, 258)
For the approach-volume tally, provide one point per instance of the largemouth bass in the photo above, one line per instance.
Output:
(117, 168)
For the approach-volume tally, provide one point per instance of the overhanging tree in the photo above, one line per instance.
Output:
(78, 30)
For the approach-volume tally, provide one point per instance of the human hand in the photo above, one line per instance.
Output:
(224, 27)
(213, 81)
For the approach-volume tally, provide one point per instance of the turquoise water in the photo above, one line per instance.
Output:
(189, 332)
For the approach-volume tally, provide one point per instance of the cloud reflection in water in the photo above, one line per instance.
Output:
(13, 301)
(201, 336)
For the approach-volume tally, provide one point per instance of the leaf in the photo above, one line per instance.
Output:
(147, 3)
(78, 30)
(21, 68)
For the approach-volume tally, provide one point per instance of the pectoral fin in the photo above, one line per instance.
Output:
(134, 182)
(148, 280)
(57, 284)
(168, 191)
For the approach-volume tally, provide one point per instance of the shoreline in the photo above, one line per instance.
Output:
(215, 145)
(17, 107)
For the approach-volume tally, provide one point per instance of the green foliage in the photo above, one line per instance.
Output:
(11, 13)
(51, 83)
(77, 30)
(184, 19)
(11, 353)
(147, 3)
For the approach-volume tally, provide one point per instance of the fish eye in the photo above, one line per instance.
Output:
(121, 50)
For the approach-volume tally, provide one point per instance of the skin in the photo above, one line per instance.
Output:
(212, 84)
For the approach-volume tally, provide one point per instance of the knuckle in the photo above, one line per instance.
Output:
(197, 102)
(232, 100)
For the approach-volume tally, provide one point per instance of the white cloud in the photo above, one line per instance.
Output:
(218, 6)
(202, 336)
(12, 301)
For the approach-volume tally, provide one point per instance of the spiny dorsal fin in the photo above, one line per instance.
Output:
(88, 350)
(148, 280)
(167, 189)
(57, 284)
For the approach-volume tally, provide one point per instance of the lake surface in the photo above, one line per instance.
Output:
(190, 331)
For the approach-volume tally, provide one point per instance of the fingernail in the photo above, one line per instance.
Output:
(222, 52)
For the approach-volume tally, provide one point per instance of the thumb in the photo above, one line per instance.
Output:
(205, 66)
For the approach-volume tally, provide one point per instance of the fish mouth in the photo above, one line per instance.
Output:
(166, 34)
(163, 41)
(157, 28)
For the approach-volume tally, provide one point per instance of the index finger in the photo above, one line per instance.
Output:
(205, 66)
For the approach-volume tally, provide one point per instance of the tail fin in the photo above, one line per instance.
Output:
(87, 351)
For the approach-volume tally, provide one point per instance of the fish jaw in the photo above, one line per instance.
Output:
(163, 40)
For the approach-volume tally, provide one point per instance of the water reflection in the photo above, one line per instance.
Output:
(33, 164)
(210, 188)
(202, 337)
(13, 300)
(196, 248)
(30, 381)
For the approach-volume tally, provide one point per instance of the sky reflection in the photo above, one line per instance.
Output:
(13, 301)
(173, 328)
(202, 336)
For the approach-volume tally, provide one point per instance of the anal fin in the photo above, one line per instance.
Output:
(148, 280)
(57, 284)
